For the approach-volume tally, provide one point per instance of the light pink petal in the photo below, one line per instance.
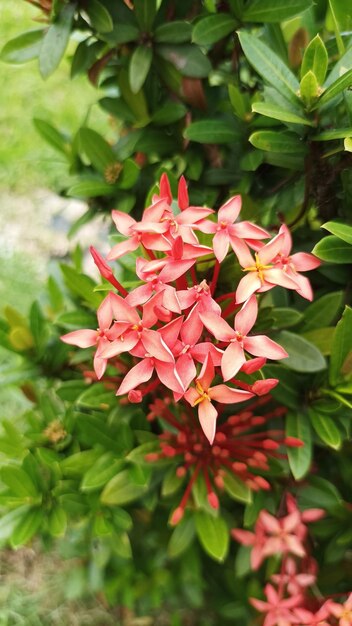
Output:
(226, 395)
(104, 313)
(280, 277)
(125, 343)
(150, 316)
(170, 299)
(271, 594)
(303, 261)
(312, 515)
(154, 242)
(262, 387)
(207, 414)
(122, 248)
(248, 285)
(99, 366)
(207, 226)
(246, 317)
(294, 545)
(241, 250)
(247, 230)
(195, 250)
(260, 345)
(117, 329)
(170, 332)
(268, 252)
(168, 375)
(186, 297)
(155, 346)
(122, 311)
(123, 222)
(140, 373)
(270, 523)
(191, 395)
(245, 537)
(139, 295)
(207, 372)
(217, 326)
(191, 330)
(82, 338)
(221, 244)
(200, 351)
(303, 287)
(192, 215)
(260, 605)
(175, 269)
(186, 369)
(291, 521)
(232, 360)
(155, 211)
(256, 557)
(287, 240)
(229, 211)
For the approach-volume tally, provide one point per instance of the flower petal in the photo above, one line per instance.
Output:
(232, 360)
(230, 211)
(261, 345)
(155, 346)
(246, 317)
(207, 414)
(248, 285)
(268, 252)
(221, 244)
(217, 326)
(227, 395)
(82, 338)
(168, 375)
(123, 222)
(140, 373)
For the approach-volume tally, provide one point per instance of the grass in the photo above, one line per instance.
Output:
(26, 161)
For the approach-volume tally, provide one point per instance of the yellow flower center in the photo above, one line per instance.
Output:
(258, 267)
(202, 394)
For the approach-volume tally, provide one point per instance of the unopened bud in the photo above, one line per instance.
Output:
(135, 396)
(213, 500)
(176, 516)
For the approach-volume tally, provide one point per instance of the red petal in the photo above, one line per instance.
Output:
(165, 189)
(182, 197)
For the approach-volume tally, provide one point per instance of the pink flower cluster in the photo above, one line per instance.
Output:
(288, 598)
(178, 329)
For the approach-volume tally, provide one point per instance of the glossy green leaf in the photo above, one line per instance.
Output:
(135, 101)
(91, 189)
(339, 229)
(139, 67)
(336, 88)
(23, 48)
(79, 462)
(18, 481)
(99, 17)
(211, 28)
(283, 115)
(239, 102)
(171, 483)
(315, 59)
(145, 11)
(326, 429)
(81, 285)
(236, 488)
(187, 58)
(96, 148)
(333, 250)
(309, 88)
(321, 338)
(55, 41)
(298, 426)
(9, 521)
(303, 355)
(213, 534)
(211, 131)
(85, 55)
(273, 10)
(173, 32)
(27, 527)
(103, 470)
(276, 141)
(322, 311)
(169, 113)
(129, 175)
(272, 69)
(121, 489)
(56, 139)
(338, 133)
(285, 317)
(57, 522)
(320, 493)
(341, 347)
(181, 537)
(96, 397)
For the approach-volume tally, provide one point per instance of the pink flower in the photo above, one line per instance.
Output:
(228, 233)
(295, 581)
(202, 396)
(238, 341)
(307, 618)
(279, 611)
(342, 612)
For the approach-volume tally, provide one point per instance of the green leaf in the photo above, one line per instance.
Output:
(96, 148)
(237, 489)
(210, 29)
(285, 318)
(277, 113)
(322, 311)
(81, 285)
(85, 55)
(303, 355)
(27, 527)
(96, 397)
(347, 144)
(338, 133)
(171, 483)
(333, 250)
(341, 346)
(169, 113)
(23, 48)
(187, 58)
(213, 534)
(121, 489)
(315, 59)
(56, 139)
(321, 338)
(139, 67)
(55, 41)
(78, 463)
(326, 429)
(272, 69)
(211, 131)
(9, 521)
(173, 32)
(336, 88)
(309, 88)
(341, 230)
(181, 537)
(320, 493)
(297, 425)
(91, 189)
(57, 522)
(136, 101)
(103, 470)
(239, 102)
(273, 10)
(18, 481)
(276, 141)
(99, 17)
(129, 175)
(145, 11)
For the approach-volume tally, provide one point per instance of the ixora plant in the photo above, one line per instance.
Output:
(233, 408)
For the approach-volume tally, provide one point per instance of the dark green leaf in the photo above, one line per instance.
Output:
(169, 113)
(272, 69)
(99, 17)
(341, 230)
(23, 48)
(181, 537)
(273, 10)
(338, 133)
(91, 189)
(303, 355)
(139, 67)
(213, 535)
(298, 426)
(285, 318)
(333, 250)
(173, 32)
(236, 488)
(96, 397)
(276, 113)
(85, 55)
(341, 346)
(336, 88)
(80, 285)
(129, 175)
(96, 148)
(145, 11)
(187, 58)
(239, 102)
(322, 311)
(136, 102)
(315, 59)
(276, 141)
(211, 131)
(208, 30)
(321, 338)
(56, 139)
(320, 493)
(326, 429)
(55, 41)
